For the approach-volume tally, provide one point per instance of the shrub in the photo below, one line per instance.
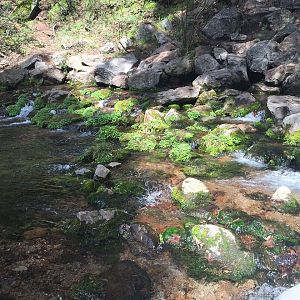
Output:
(181, 152)
(108, 132)
(292, 139)
(125, 106)
(15, 109)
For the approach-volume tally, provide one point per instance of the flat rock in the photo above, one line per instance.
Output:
(292, 123)
(101, 172)
(193, 186)
(282, 194)
(144, 79)
(179, 95)
(205, 63)
(95, 216)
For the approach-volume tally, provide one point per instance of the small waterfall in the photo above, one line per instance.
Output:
(253, 117)
(20, 119)
(243, 159)
(26, 110)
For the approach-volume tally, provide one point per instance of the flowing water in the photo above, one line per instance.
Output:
(30, 160)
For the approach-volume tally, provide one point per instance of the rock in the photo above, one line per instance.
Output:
(261, 88)
(120, 81)
(244, 99)
(291, 85)
(179, 66)
(95, 216)
(55, 94)
(224, 23)
(86, 77)
(291, 293)
(229, 129)
(277, 75)
(205, 63)
(259, 55)
(12, 77)
(35, 233)
(257, 7)
(241, 49)
(80, 62)
(172, 114)
(292, 123)
(290, 4)
(151, 115)
(193, 186)
(238, 37)
(165, 48)
(109, 47)
(144, 79)
(106, 71)
(82, 171)
(278, 19)
(166, 24)
(114, 164)
(225, 78)
(125, 43)
(158, 61)
(220, 245)
(180, 95)
(20, 269)
(59, 59)
(101, 172)
(284, 32)
(282, 194)
(283, 106)
(220, 54)
(146, 33)
(140, 233)
(162, 38)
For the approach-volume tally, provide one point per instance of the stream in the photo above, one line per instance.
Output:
(38, 189)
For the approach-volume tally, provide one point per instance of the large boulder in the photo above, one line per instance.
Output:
(180, 95)
(224, 23)
(179, 66)
(257, 7)
(290, 4)
(259, 56)
(292, 123)
(205, 63)
(95, 216)
(144, 79)
(283, 106)
(278, 19)
(193, 186)
(225, 78)
(12, 77)
(291, 85)
(291, 293)
(276, 76)
(220, 245)
(106, 71)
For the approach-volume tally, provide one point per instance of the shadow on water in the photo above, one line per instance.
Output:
(27, 187)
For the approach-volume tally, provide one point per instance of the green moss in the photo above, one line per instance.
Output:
(15, 109)
(101, 153)
(244, 110)
(101, 94)
(88, 186)
(139, 142)
(42, 117)
(98, 199)
(193, 201)
(217, 142)
(292, 139)
(125, 106)
(175, 106)
(208, 168)
(128, 188)
(291, 207)
(181, 152)
(106, 119)
(61, 121)
(90, 287)
(193, 115)
(108, 132)
(206, 96)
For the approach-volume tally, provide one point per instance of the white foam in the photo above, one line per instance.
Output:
(26, 122)
(26, 110)
(253, 117)
(242, 158)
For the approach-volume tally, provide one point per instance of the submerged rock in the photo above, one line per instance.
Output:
(221, 245)
(193, 186)
(282, 194)
(125, 280)
(101, 172)
(92, 217)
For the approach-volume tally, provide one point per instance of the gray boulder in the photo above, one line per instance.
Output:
(220, 54)
(290, 4)
(291, 85)
(106, 71)
(205, 63)
(278, 19)
(257, 7)
(144, 79)
(244, 99)
(146, 33)
(262, 88)
(12, 77)
(241, 49)
(180, 95)
(283, 106)
(292, 123)
(109, 47)
(85, 76)
(179, 66)
(95, 216)
(101, 172)
(224, 23)
(259, 56)
(226, 78)
(276, 76)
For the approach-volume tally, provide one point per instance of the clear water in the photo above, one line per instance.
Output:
(28, 190)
